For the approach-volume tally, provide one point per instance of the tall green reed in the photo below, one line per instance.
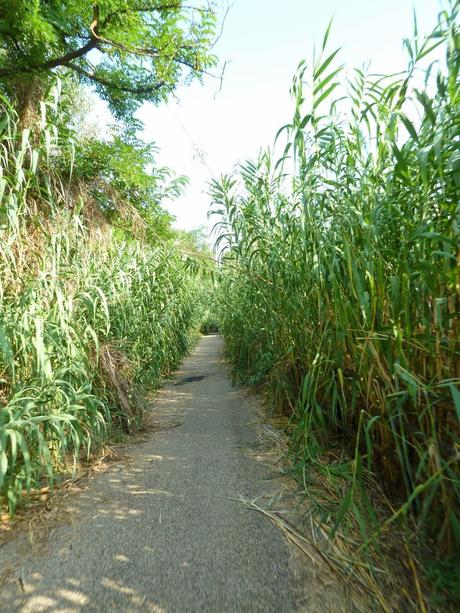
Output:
(340, 286)
(77, 302)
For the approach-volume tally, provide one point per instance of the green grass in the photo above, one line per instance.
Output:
(89, 318)
(340, 285)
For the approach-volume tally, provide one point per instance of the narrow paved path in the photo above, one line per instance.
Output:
(161, 532)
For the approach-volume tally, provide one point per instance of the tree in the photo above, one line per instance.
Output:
(125, 182)
(131, 51)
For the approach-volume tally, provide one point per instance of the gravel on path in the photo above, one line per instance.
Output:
(164, 531)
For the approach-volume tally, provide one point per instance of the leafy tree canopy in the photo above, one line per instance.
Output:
(126, 183)
(131, 51)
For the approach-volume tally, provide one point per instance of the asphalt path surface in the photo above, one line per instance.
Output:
(165, 530)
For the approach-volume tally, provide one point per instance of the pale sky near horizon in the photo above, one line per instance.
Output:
(206, 132)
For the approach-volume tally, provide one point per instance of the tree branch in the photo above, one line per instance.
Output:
(152, 52)
(149, 9)
(145, 89)
(63, 60)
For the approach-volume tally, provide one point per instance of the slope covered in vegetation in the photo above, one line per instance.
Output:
(340, 283)
(98, 297)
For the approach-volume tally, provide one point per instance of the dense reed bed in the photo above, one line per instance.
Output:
(90, 316)
(340, 286)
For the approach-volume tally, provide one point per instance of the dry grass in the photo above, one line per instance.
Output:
(117, 372)
(45, 507)
(386, 576)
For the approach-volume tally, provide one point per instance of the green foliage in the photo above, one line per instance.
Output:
(210, 324)
(340, 281)
(130, 51)
(443, 575)
(125, 182)
(209, 319)
(88, 314)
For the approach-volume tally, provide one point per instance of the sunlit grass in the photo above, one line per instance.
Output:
(86, 317)
(340, 285)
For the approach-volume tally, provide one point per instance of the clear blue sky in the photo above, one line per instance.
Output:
(204, 132)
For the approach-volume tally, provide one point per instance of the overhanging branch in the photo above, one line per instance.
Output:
(140, 90)
(63, 60)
